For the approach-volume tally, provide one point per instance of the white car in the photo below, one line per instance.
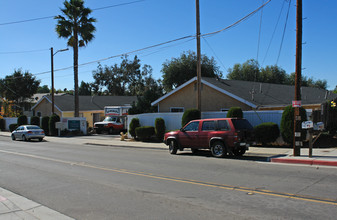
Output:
(28, 132)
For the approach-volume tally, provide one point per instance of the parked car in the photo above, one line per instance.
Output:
(221, 135)
(110, 124)
(28, 132)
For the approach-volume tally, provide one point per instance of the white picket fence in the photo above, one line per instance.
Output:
(173, 120)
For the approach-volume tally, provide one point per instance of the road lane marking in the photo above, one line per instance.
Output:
(182, 180)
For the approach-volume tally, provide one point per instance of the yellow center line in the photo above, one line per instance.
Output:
(181, 180)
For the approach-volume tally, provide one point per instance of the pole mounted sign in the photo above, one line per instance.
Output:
(297, 104)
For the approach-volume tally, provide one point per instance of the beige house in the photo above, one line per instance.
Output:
(220, 95)
(91, 107)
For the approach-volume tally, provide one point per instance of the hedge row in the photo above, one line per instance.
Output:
(147, 132)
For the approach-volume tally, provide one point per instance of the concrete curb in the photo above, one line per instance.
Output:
(304, 161)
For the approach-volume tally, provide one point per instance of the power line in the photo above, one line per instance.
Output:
(161, 44)
(284, 30)
(25, 51)
(214, 53)
(48, 17)
(237, 22)
(272, 37)
(259, 38)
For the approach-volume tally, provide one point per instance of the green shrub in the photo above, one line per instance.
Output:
(160, 128)
(52, 121)
(133, 125)
(287, 124)
(235, 112)
(12, 127)
(35, 120)
(22, 120)
(189, 115)
(2, 124)
(266, 132)
(145, 133)
(45, 124)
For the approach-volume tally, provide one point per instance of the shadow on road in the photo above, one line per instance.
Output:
(247, 156)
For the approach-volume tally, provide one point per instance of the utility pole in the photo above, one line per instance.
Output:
(198, 57)
(297, 118)
(52, 80)
(52, 54)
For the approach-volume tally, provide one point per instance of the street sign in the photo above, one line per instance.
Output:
(297, 103)
(307, 124)
(319, 126)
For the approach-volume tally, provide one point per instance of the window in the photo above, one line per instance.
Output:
(177, 109)
(38, 114)
(208, 126)
(241, 124)
(193, 126)
(223, 125)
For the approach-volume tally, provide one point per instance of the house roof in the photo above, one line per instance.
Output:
(88, 103)
(256, 94)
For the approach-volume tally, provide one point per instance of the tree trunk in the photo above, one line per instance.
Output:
(75, 46)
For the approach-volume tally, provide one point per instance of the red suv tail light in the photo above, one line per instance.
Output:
(236, 137)
(30, 132)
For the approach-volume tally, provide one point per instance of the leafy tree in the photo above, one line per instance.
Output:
(78, 29)
(309, 82)
(85, 89)
(248, 71)
(179, 70)
(235, 112)
(273, 74)
(287, 123)
(52, 124)
(153, 91)
(127, 78)
(19, 86)
(22, 120)
(43, 89)
(189, 115)
(35, 120)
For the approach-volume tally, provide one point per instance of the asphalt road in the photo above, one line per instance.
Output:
(98, 182)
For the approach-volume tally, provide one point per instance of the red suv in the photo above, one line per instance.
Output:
(221, 135)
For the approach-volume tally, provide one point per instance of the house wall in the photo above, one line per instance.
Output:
(89, 115)
(45, 108)
(211, 100)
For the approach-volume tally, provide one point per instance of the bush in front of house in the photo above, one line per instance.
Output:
(287, 124)
(145, 133)
(132, 127)
(2, 124)
(12, 127)
(189, 115)
(22, 120)
(52, 121)
(160, 128)
(45, 124)
(35, 120)
(266, 132)
(235, 112)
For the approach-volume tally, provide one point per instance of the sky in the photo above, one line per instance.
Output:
(133, 25)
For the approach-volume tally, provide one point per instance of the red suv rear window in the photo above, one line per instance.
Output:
(242, 124)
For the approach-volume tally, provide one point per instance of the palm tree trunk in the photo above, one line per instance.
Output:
(76, 113)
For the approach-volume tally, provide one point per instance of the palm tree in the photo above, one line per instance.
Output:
(78, 29)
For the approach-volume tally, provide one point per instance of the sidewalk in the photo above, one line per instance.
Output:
(16, 207)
